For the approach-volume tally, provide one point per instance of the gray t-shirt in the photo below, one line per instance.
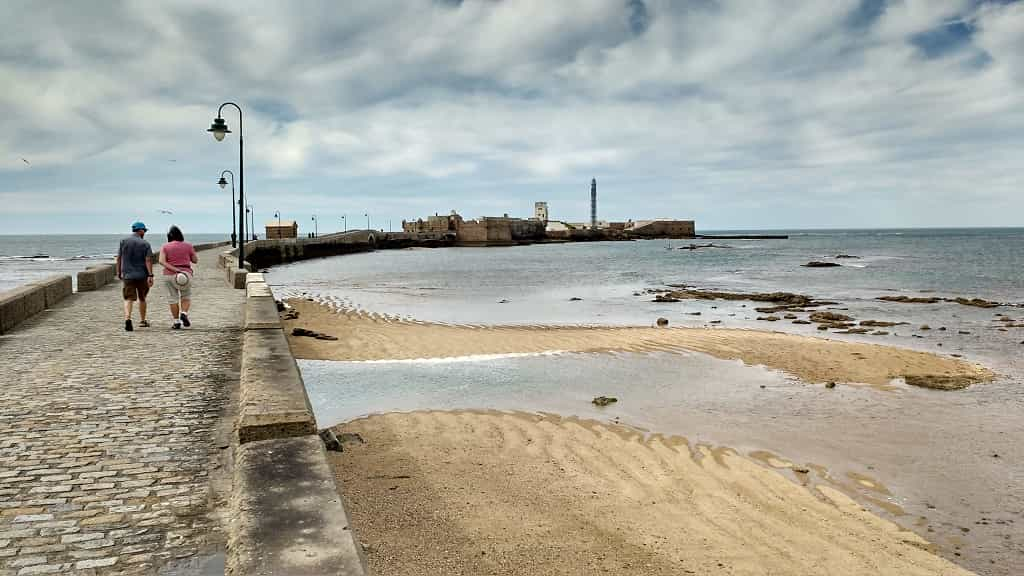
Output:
(134, 251)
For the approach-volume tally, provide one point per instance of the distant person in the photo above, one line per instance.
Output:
(134, 267)
(177, 258)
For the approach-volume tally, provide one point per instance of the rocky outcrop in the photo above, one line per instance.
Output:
(819, 264)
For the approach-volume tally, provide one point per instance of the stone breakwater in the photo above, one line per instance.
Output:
(113, 450)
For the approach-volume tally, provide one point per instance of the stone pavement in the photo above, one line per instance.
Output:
(114, 445)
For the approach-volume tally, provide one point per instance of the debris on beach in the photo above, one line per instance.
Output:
(312, 334)
(830, 385)
(604, 400)
(330, 440)
(819, 264)
(665, 298)
(662, 321)
(290, 314)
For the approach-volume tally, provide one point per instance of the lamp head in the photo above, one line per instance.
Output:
(223, 182)
(219, 128)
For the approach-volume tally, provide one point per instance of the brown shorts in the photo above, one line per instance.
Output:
(135, 289)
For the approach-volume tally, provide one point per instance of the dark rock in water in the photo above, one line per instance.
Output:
(665, 298)
(637, 294)
(879, 333)
(790, 316)
(575, 299)
(823, 327)
(801, 321)
(942, 328)
(829, 317)
(662, 321)
(962, 332)
(925, 327)
(909, 299)
(846, 256)
(604, 400)
(855, 331)
(715, 322)
(331, 441)
(976, 302)
(768, 318)
(694, 313)
(504, 301)
(880, 323)
(817, 264)
(830, 385)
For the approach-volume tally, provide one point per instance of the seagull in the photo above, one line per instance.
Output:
(26, 161)
(166, 211)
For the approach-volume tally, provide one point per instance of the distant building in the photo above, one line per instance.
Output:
(540, 211)
(283, 229)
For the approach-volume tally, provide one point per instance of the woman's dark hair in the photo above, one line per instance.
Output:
(174, 234)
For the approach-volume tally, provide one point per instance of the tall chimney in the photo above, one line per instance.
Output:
(593, 203)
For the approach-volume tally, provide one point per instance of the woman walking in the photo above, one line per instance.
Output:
(177, 258)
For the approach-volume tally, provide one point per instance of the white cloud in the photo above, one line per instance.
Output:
(732, 100)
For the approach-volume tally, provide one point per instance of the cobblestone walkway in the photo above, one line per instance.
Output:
(109, 440)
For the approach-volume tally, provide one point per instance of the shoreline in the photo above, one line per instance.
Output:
(361, 336)
(515, 493)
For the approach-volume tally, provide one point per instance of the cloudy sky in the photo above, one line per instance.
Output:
(737, 113)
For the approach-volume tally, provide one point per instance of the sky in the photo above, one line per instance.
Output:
(739, 114)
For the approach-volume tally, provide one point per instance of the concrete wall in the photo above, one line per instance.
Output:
(287, 515)
(666, 228)
(96, 277)
(26, 301)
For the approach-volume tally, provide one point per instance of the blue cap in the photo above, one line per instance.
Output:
(136, 226)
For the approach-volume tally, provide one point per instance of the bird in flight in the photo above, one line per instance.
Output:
(166, 211)
(26, 161)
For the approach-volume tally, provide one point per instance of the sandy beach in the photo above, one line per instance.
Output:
(513, 493)
(362, 336)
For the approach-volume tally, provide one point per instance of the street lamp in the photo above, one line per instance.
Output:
(252, 221)
(316, 230)
(219, 129)
(344, 224)
(278, 216)
(367, 221)
(224, 183)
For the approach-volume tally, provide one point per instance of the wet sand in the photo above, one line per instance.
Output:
(363, 336)
(513, 493)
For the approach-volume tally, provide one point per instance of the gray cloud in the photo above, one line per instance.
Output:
(738, 113)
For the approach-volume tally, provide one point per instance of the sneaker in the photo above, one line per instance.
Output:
(128, 325)
(144, 324)
(184, 320)
(176, 326)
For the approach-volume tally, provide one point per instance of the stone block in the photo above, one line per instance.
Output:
(261, 313)
(55, 289)
(273, 400)
(288, 517)
(255, 277)
(19, 305)
(257, 289)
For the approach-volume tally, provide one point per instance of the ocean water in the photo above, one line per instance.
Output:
(25, 259)
(534, 284)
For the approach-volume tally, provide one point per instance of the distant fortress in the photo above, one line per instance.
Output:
(504, 230)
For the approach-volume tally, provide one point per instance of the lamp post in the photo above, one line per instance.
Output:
(316, 230)
(219, 128)
(344, 224)
(224, 183)
(367, 221)
(252, 219)
(278, 216)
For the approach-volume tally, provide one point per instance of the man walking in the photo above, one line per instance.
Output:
(135, 269)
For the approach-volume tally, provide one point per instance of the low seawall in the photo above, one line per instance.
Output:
(287, 516)
(26, 301)
(96, 277)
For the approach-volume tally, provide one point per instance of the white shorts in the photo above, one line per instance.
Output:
(174, 292)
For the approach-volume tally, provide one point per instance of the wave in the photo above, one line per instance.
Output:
(48, 258)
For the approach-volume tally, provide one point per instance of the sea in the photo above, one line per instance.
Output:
(950, 465)
(26, 258)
